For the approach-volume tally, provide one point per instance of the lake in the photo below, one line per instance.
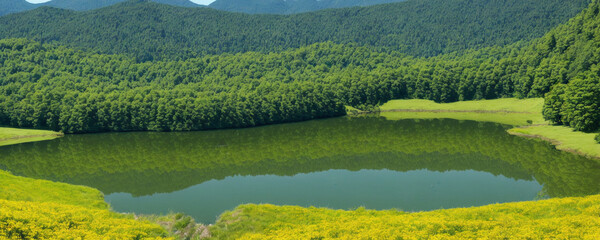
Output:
(339, 163)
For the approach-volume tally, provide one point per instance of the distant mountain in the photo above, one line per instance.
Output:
(180, 3)
(244, 6)
(289, 6)
(13, 6)
(150, 31)
(80, 5)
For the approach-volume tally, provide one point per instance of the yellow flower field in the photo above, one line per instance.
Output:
(46, 220)
(567, 218)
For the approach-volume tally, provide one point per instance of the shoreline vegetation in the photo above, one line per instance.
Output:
(24, 210)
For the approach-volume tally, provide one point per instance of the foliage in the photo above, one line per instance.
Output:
(75, 91)
(289, 7)
(566, 218)
(84, 92)
(597, 138)
(553, 104)
(576, 104)
(49, 220)
(150, 31)
(582, 104)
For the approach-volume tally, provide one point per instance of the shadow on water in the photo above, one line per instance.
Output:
(147, 163)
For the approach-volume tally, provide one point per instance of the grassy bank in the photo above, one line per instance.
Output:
(525, 113)
(510, 111)
(15, 188)
(10, 136)
(566, 218)
(563, 137)
(40, 209)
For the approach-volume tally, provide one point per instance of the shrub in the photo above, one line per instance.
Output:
(553, 103)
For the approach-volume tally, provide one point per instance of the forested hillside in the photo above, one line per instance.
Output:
(150, 31)
(83, 5)
(45, 86)
(289, 7)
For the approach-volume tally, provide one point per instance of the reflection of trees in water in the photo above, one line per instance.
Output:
(145, 163)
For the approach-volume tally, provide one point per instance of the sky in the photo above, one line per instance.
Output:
(203, 2)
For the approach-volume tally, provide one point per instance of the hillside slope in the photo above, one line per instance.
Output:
(291, 6)
(13, 6)
(150, 31)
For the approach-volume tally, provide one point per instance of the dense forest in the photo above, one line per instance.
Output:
(48, 86)
(151, 31)
(289, 7)
(245, 6)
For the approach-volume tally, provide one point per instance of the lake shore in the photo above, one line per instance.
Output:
(524, 114)
(9, 136)
(243, 221)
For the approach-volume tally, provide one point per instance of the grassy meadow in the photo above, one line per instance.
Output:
(9, 136)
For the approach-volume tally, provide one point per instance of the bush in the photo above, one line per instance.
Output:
(553, 103)
(598, 138)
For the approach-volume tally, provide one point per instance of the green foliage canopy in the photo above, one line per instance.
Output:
(149, 31)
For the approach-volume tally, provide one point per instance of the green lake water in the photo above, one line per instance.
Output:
(340, 163)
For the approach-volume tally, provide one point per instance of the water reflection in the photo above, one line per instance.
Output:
(143, 164)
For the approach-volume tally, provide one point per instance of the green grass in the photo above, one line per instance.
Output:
(531, 105)
(9, 136)
(559, 218)
(510, 111)
(15, 188)
(564, 138)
